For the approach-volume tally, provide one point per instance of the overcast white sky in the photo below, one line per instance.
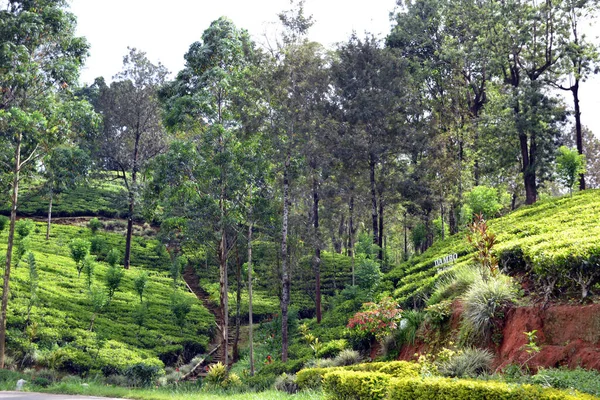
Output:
(165, 30)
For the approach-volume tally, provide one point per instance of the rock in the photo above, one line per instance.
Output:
(20, 384)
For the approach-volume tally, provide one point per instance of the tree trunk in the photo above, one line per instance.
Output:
(442, 218)
(578, 129)
(452, 223)
(250, 319)
(9, 248)
(127, 258)
(224, 295)
(373, 199)
(351, 236)
(285, 273)
(317, 257)
(528, 170)
(238, 306)
(405, 236)
(49, 215)
(380, 238)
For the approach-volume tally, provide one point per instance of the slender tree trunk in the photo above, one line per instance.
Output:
(9, 248)
(317, 257)
(127, 258)
(528, 170)
(351, 236)
(238, 306)
(578, 128)
(223, 284)
(49, 215)
(442, 218)
(285, 272)
(341, 230)
(380, 238)
(250, 319)
(405, 236)
(372, 165)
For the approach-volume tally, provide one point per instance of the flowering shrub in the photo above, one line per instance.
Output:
(377, 319)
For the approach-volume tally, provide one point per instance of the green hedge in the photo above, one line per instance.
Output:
(354, 385)
(312, 378)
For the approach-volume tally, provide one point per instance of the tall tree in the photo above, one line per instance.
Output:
(206, 100)
(133, 133)
(40, 58)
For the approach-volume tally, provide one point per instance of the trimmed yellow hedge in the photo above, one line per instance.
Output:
(354, 385)
(351, 385)
(311, 378)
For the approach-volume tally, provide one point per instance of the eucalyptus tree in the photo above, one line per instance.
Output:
(132, 132)
(40, 59)
(202, 180)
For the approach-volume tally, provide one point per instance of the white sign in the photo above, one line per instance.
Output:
(446, 260)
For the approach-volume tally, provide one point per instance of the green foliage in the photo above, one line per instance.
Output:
(114, 257)
(438, 314)
(286, 383)
(3, 222)
(445, 388)
(454, 283)
(468, 363)
(583, 380)
(217, 375)
(482, 200)
(569, 165)
(347, 357)
(140, 314)
(142, 375)
(332, 348)
(94, 225)
(356, 385)
(112, 280)
(485, 304)
(80, 248)
(368, 274)
(139, 284)
(180, 308)
(23, 228)
(89, 263)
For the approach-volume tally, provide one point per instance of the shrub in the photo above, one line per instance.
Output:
(438, 314)
(113, 258)
(97, 245)
(469, 363)
(112, 280)
(180, 307)
(3, 222)
(88, 269)
(332, 348)
(41, 381)
(483, 200)
(368, 274)
(356, 385)
(346, 357)
(377, 319)
(587, 381)
(485, 304)
(408, 327)
(454, 284)
(286, 383)
(143, 374)
(23, 228)
(445, 388)
(79, 249)
(139, 284)
(217, 375)
(94, 224)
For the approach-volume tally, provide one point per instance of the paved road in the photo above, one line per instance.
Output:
(44, 396)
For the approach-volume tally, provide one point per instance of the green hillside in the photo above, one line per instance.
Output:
(60, 336)
(552, 237)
